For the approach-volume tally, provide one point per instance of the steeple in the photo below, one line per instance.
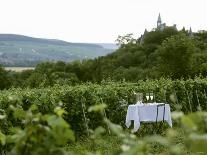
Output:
(159, 21)
(145, 32)
(143, 37)
(190, 32)
(159, 18)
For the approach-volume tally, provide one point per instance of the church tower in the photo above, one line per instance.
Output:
(190, 32)
(160, 26)
(159, 21)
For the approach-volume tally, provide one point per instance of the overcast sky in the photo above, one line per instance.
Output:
(97, 20)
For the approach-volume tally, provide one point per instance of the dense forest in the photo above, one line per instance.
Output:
(168, 53)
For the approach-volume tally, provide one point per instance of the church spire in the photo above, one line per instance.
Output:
(159, 21)
(190, 32)
(145, 31)
(143, 37)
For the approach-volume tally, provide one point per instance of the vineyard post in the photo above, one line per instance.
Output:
(188, 99)
(104, 114)
(165, 90)
(175, 94)
(84, 115)
(198, 100)
(205, 94)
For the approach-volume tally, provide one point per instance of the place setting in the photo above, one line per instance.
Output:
(148, 111)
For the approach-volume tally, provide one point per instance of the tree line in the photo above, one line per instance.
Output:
(169, 53)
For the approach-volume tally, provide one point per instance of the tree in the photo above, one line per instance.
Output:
(18, 79)
(4, 79)
(157, 37)
(37, 80)
(124, 40)
(154, 38)
(174, 56)
(201, 35)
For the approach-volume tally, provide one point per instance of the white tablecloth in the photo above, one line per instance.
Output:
(147, 113)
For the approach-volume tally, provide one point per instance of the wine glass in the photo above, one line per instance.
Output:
(147, 96)
(151, 96)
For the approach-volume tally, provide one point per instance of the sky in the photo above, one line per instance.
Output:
(97, 21)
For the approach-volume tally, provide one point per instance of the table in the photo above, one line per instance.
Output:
(152, 112)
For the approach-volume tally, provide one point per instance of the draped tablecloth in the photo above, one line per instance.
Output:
(147, 113)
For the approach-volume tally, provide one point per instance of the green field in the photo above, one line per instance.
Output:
(18, 69)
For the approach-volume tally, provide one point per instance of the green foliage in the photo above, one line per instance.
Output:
(182, 95)
(167, 53)
(36, 133)
(188, 136)
(175, 56)
(157, 37)
(103, 145)
(4, 79)
(31, 120)
(36, 121)
(124, 40)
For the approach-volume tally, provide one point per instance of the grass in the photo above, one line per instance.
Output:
(107, 145)
(111, 145)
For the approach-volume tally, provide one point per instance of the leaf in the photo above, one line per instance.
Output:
(98, 107)
(60, 130)
(116, 129)
(188, 123)
(163, 141)
(33, 107)
(98, 131)
(19, 113)
(198, 143)
(2, 138)
(177, 115)
(2, 117)
(59, 111)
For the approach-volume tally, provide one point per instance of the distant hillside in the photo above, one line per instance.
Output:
(108, 45)
(19, 50)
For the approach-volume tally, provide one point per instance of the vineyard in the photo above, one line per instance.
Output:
(46, 120)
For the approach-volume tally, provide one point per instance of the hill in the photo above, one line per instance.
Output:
(108, 45)
(19, 50)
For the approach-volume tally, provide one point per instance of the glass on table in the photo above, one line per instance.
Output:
(151, 96)
(147, 96)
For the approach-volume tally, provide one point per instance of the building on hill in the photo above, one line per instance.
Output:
(143, 36)
(160, 27)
